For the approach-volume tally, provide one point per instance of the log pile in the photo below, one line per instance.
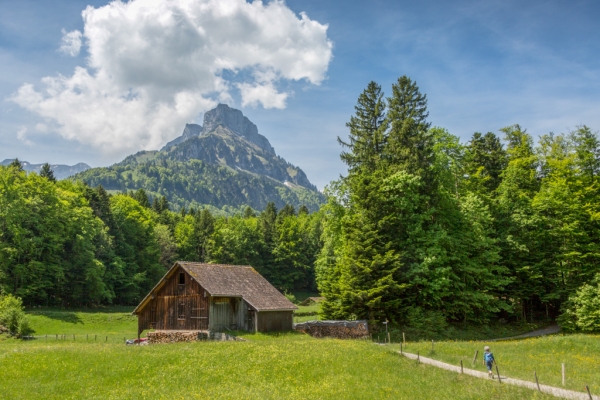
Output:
(176, 336)
(335, 329)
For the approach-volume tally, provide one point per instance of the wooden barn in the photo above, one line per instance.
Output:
(214, 297)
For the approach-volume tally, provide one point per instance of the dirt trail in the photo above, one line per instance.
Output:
(549, 330)
(558, 392)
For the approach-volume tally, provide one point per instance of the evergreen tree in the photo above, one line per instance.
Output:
(16, 164)
(303, 210)
(249, 212)
(163, 204)
(141, 197)
(485, 162)
(287, 211)
(368, 130)
(410, 143)
(46, 172)
(204, 226)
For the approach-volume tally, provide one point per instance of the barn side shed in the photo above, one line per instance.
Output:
(214, 297)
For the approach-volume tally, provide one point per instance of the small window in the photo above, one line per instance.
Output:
(182, 278)
(181, 311)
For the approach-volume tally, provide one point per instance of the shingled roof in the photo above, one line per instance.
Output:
(221, 280)
(238, 280)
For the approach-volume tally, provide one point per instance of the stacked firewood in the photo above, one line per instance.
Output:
(175, 336)
(335, 329)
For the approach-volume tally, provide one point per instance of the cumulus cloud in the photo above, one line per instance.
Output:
(71, 43)
(153, 65)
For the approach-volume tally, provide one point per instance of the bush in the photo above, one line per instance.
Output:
(290, 297)
(423, 324)
(12, 316)
(582, 311)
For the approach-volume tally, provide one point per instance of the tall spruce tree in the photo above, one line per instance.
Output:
(46, 172)
(16, 164)
(204, 226)
(410, 143)
(368, 130)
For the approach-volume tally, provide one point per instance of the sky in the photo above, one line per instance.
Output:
(94, 81)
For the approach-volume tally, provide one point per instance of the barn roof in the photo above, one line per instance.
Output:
(238, 280)
(221, 280)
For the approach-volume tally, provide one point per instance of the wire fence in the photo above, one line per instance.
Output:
(89, 338)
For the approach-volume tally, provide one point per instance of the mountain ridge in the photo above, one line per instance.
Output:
(224, 162)
(61, 171)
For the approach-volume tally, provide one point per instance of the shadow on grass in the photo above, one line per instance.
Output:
(71, 315)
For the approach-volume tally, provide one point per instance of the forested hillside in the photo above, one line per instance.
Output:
(425, 229)
(64, 243)
(197, 184)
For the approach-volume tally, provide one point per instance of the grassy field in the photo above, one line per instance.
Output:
(287, 366)
(519, 358)
(113, 323)
(290, 366)
(307, 313)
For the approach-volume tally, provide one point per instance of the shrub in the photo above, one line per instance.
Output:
(12, 316)
(582, 311)
(290, 297)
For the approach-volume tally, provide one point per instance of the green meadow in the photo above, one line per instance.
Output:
(520, 358)
(266, 366)
(289, 366)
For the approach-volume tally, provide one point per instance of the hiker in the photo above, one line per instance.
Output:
(488, 360)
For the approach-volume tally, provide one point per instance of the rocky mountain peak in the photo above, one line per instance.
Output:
(236, 122)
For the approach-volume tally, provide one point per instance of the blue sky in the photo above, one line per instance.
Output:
(483, 65)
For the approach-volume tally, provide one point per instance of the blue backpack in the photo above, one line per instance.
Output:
(488, 357)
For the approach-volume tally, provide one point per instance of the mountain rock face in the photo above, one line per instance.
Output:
(60, 171)
(233, 120)
(190, 131)
(227, 118)
(224, 162)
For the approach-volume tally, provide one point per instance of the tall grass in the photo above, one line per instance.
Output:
(520, 358)
(289, 366)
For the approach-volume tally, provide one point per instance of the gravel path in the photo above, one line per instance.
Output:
(558, 392)
(549, 330)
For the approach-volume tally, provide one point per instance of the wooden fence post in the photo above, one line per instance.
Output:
(498, 373)
(536, 381)
(475, 358)
(418, 358)
(432, 346)
(588, 390)
(403, 338)
(461, 367)
(563, 374)
(401, 348)
(389, 340)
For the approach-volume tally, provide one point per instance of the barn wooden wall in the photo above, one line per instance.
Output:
(162, 312)
(270, 321)
(230, 312)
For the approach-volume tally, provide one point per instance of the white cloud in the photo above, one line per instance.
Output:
(71, 43)
(154, 65)
(22, 136)
(266, 94)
